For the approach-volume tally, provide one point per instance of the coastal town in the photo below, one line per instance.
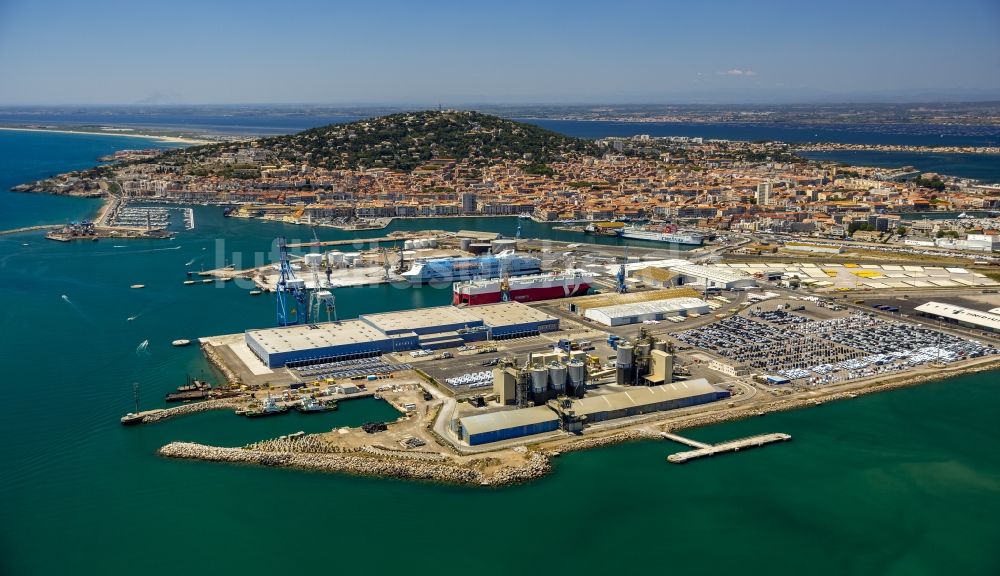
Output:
(709, 185)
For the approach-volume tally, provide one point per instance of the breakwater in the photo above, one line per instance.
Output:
(194, 407)
(215, 360)
(30, 229)
(311, 453)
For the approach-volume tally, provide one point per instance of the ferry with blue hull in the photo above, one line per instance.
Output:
(440, 270)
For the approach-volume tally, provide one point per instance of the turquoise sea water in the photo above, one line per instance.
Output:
(903, 483)
(984, 167)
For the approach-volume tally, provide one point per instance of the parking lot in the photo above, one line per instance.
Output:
(811, 344)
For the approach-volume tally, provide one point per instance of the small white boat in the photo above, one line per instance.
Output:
(188, 282)
(137, 286)
(207, 281)
(181, 342)
(255, 292)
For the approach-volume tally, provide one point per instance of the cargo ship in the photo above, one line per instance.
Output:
(478, 267)
(524, 289)
(668, 234)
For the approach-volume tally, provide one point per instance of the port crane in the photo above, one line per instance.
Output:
(620, 277)
(288, 283)
(323, 300)
(386, 263)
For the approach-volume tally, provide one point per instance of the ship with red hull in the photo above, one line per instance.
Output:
(524, 288)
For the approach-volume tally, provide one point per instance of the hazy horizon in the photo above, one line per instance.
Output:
(393, 53)
(476, 105)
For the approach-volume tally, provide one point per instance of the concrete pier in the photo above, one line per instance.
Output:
(686, 441)
(703, 450)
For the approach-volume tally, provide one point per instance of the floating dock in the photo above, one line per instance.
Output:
(702, 450)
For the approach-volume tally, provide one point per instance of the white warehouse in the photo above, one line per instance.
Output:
(622, 314)
(713, 276)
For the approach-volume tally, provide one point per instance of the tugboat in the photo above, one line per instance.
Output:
(312, 406)
(270, 408)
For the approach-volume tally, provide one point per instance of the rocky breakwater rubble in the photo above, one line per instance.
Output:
(218, 404)
(213, 358)
(310, 452)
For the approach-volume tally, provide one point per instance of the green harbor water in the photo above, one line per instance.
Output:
(901, 483)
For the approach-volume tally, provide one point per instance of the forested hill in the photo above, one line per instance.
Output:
(407, 140)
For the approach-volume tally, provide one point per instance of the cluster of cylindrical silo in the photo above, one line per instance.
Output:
(634, 362)
(557, 379)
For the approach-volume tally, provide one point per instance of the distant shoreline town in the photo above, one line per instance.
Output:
(353, 176)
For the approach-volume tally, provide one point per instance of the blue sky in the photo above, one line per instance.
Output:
(455, 53)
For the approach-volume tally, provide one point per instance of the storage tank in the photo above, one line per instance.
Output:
(351, 257)
(625, 354)
(503, 244)
(624, 368)
(464, 244)
(432, 242)
(642, 350)
(479, 248)
(335, 258)
(660, 345)
(577, 377)
(539, 380)
(557, 377)
(407, 244)
(313, 259)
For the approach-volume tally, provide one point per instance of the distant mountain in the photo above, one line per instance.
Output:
(406, 141)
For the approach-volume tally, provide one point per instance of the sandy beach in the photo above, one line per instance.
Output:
(168, 139)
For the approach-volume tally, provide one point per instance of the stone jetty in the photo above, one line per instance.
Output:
(218, 404)
(311, 453)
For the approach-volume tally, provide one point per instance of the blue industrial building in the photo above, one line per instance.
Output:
(507, 424)
(374, 334)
